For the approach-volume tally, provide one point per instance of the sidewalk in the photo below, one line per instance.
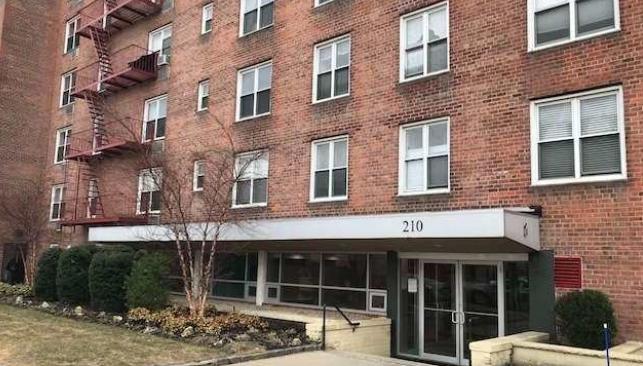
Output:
(331, 359)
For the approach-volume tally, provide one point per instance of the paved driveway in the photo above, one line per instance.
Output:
(330, 359)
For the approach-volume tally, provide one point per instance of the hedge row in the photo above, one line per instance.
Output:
(107, 278)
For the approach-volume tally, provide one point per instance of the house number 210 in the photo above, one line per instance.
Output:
(412, 226)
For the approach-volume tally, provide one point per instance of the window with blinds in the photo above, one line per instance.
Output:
(578, 137)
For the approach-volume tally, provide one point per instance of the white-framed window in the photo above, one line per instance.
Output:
(62, 144)
(256, 15)
(578, 138)
(424, 42)
(203, 95)
(93, 198)
(322, 2)
(253, 91)
(332, 62)
(198, 179)
(329, 169)
(251, 179)
(206, 18)
(72, 39)
(149, 191)
(67, 88)
(160, 40)
(154, 118)
(57, 208)
(424, 157)
(554, 22)
(377, 301)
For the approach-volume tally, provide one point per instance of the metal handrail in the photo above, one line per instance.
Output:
(350, 322)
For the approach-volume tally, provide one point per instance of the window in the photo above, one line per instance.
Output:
(553, 22)
(93, 198)
(332, 69)
(199, 175)
(251, 179)
(155, 117)
(315, 279)
(256, 15)
(149, 191)
(253, 90)
(57, 205)
(203, 95)
(206, 20)
(62, 144)
(424, 157)
(235, 275)
(578, 138)
(160, 41)
(322, 2)
(329, 180)
(424, 42)
(72, 39)
(67, 88)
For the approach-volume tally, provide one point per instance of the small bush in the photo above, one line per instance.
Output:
(107, 273)
(581, 316)
(146, 285)
(14, 290)
(72, 279)
(45, 281)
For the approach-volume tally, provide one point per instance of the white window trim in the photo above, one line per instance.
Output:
(313, 160)
(318, 3)
(67, 131)
(76, 21)
(531, 26)
(150, 37)
(260, 154)
(317, 47)
(536, 181)
(402, 60)
(371, 294)
(54, 188)
(145, 116)
(402, 160)
(256, 91)
(242, 14)
(204, 19)
(154, 171)
(195, 175)
(62, 87)
(201, 95)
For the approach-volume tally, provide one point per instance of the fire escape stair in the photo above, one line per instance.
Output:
(122, 14)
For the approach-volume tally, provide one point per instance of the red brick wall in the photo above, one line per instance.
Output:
(486, 94)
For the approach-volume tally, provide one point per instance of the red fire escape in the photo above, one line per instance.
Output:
(112, 72)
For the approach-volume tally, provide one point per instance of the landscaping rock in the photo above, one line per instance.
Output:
(19, 300)
(117, 318)
(187, 332)
(291, 331)
(296, 342)
(78, 311)
(253, 331)
(102, 314)
(45, 305)
(151, 330)
(243, 337)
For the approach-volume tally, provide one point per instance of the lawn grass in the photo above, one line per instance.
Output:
(29, 337)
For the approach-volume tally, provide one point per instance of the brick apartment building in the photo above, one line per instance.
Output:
(451, 164)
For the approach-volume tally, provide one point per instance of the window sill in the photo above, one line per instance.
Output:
(430, 192)
(245, 35)
(535, 49)
(332, 99)
(254, 117)
(329, 200)
(584, 180)
(254, 205)
(411, 80)
(202, 111)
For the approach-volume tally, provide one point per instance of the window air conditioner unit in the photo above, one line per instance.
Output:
(164, 60)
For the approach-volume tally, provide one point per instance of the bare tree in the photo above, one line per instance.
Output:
(24, 211)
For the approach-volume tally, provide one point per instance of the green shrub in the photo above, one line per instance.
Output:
(14, 290)
(147, 285)
(581, 316)
(107, 273)
(45, 281)
(72, 274)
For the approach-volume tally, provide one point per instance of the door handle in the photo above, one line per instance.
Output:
(462, 317)
(454, 315)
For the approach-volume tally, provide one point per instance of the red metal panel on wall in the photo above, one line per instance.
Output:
(568, 272)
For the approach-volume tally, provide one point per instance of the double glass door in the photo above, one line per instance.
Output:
(459, 303)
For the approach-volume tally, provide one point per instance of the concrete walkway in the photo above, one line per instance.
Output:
(330, 359)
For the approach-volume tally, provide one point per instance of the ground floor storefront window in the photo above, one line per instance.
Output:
(235, 275)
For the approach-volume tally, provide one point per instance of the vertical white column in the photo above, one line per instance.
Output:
(262, 268)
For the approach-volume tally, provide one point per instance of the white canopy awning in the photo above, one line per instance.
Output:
(498, 223)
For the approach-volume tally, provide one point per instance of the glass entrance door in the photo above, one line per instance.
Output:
(460, 304)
